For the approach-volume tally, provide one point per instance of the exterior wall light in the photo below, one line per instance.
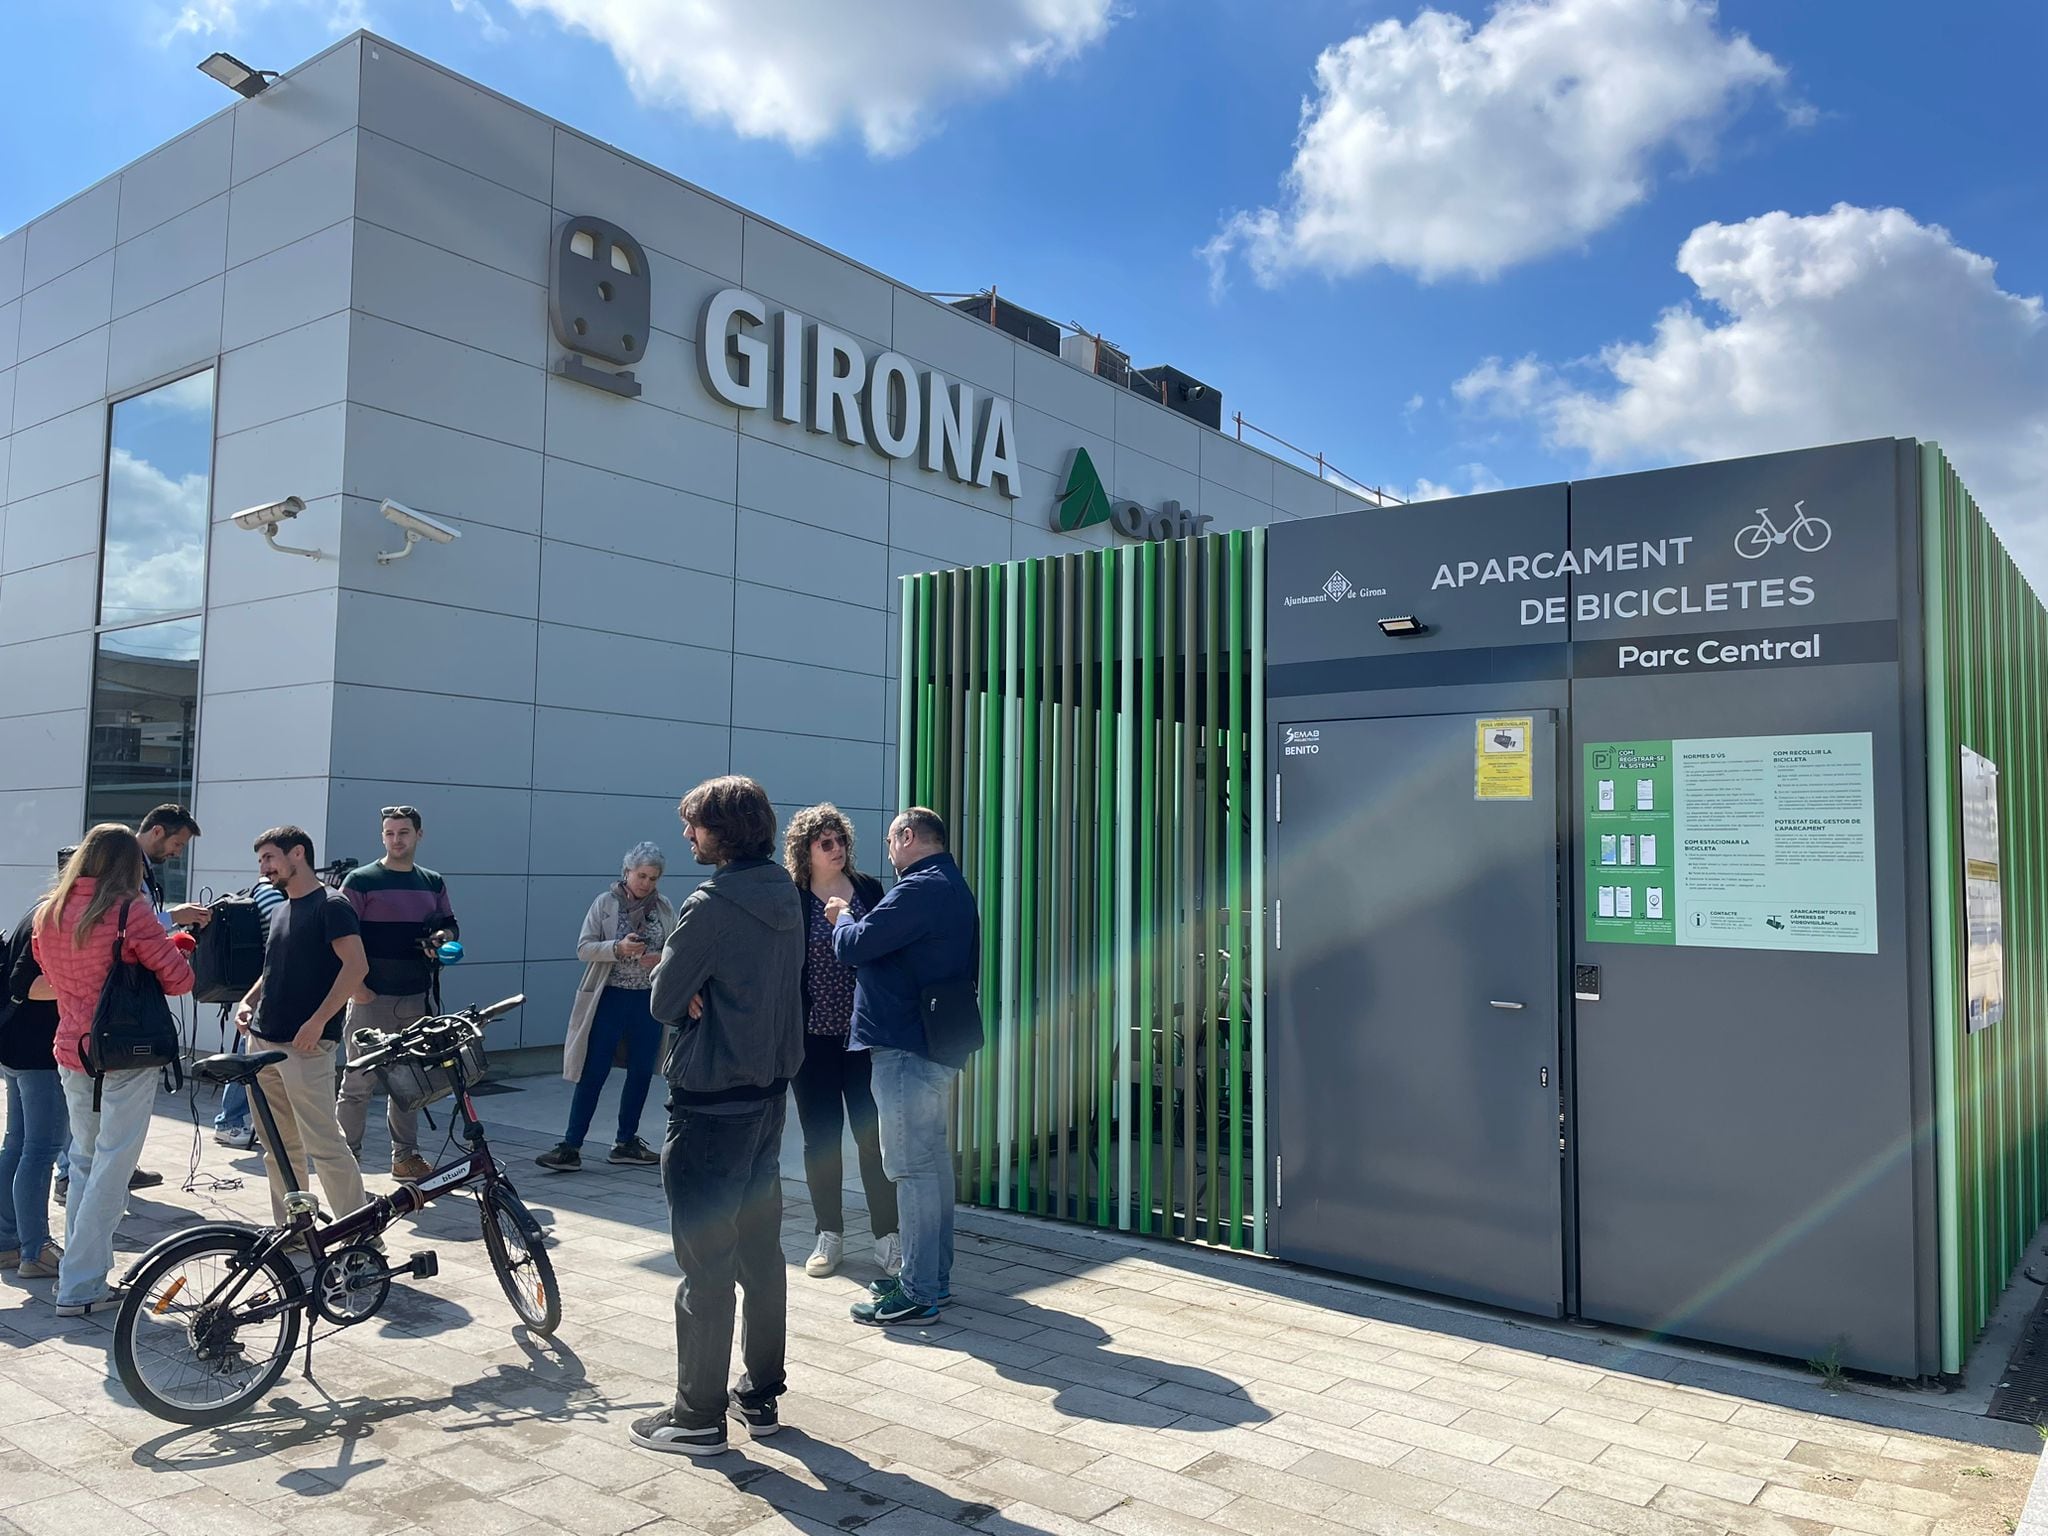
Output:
(235, 75)
(1403, 625)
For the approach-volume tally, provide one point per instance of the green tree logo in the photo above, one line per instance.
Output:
(1084, 502)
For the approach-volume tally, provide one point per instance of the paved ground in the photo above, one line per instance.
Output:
(1082, 1386)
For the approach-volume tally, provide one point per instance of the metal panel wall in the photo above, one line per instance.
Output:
(1987, 647)
(1085, 725)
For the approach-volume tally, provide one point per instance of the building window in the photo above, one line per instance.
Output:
(145, 689)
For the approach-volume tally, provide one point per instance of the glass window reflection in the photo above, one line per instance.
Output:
(159, 453)
(145, 705)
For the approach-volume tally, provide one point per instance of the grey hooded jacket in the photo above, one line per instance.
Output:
(739, 941)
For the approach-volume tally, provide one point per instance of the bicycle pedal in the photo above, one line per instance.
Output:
(424, 1266)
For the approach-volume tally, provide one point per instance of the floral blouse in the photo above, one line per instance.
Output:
(827, 983)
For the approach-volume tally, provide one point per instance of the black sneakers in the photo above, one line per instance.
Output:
(760, 1421)
(635, 1153)
(561, 1158)
(659, 1432)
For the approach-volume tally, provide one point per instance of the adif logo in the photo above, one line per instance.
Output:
(1085, 501)
(1301, 741)
(1336, 587)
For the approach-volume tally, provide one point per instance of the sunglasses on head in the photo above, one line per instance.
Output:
(406, 811)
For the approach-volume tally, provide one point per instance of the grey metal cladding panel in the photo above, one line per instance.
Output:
(382, 639)
(1390, 559)
(442, 471)
(935, 336)
(776, 478)
(172, 336)
(241, 569)
(25, 822)
(820, 701)
(778, 553)
(53, 673)
(679, 292)
(632, 754)
(415, 194)
(1048, 442)
(802, 770)
(452, 120)
(480, 829)
(72, 235)
(490, 571)
(303, 281)
(57, 525)
(57, 452)
(61, 379)
(431, 738)
(10, 333)
(597, 508)
(793, 273)
(305, 108)
(1302, 495)
(936, 525)
(298, 198)
(1228, 462)
(12, 249)
(595, 669)
(295, 371)
(50, 600)
(1035, 487)
(658, 211)
(43, 751)
(1852, 487)
(1152, 429)
(1714, 1203)
(1143, 478)
(668, 378)
(575, 833)
(183, 174)
(549, 987)
(788, 626)
(282, 642)
(1058, 388)
(67, 306)
(1232, 508)
(640, 440)
(296, 456)
(1035, 541)
(431, 290)
(594, 590)
(6, 417)
(176, 254)
(400, 369)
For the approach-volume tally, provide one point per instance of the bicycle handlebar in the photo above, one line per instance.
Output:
(383, 1047)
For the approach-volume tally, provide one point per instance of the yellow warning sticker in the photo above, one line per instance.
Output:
(1503, 767)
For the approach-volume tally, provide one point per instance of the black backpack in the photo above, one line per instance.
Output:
(132, 1027)
(229, 955)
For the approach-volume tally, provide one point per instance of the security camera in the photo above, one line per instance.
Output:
(417, 526)
(266, 519)
(270, 514)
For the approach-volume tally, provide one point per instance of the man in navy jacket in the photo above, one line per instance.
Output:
(925, 930)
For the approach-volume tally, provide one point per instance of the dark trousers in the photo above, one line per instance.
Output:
(622, 1014)
(724, 1187)
(831, 1089)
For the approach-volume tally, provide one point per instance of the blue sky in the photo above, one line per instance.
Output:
(1450, 247)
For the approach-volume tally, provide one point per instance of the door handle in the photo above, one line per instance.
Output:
(1506, 1007)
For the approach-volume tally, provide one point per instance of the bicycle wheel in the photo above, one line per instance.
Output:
(518, 1255)
(1810, 535)
(1752, 541)
(199, 1337)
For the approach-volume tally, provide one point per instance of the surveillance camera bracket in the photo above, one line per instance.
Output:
(270, 536)
(412, 537)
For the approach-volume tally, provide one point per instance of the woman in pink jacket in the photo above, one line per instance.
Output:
(76, 929)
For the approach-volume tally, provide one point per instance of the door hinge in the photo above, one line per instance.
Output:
(1276, 922)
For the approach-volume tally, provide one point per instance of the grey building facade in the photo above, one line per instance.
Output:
(339, 291)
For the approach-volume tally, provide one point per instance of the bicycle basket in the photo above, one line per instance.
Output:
(414, 1083)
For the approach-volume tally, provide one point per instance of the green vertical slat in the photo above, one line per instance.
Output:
(1256, 643)
(1147, 715)
(1126, 906)
(1214, 782)
(1941, 818)
(1009, 934)
(1238, 772)
(990, 826)
(1108, 800)
(1191, 1031)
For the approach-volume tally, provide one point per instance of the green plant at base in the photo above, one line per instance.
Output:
(1828, 1368)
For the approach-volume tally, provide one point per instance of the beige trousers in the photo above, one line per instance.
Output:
(300, 1090)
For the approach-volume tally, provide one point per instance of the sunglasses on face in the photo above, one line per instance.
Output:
(827, 841)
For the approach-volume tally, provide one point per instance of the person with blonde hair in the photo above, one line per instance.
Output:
(96, 913)
(832, 1087)
(620, 946)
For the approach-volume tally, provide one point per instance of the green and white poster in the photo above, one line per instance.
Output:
(1733, 842)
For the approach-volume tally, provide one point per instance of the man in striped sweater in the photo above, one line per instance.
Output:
(403, 910)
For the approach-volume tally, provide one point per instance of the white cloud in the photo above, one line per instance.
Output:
(1448, 150)
(1477, 478)
(802, 70)
(156, 551)
(210, 18)
(1854, 323)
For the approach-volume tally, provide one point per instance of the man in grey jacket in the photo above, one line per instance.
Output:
(731, 982)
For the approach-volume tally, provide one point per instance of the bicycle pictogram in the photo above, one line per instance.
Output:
(1808, 533)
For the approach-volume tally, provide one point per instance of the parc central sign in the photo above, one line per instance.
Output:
(885, 403)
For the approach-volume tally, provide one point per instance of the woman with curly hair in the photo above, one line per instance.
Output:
(832, 1085)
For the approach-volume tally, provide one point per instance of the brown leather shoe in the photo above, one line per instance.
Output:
(411, 1169)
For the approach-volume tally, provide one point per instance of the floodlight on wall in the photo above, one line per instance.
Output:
(417, 526)
(1401, 626)
(235, 75)
(266, 519)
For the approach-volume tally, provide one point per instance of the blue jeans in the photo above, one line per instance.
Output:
(622, 1014)
(234, 1104)
(722, 1174)
(915, 1098)
(105, 1147)
(37, 1125)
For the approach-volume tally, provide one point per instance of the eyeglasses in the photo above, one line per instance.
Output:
(828, 841)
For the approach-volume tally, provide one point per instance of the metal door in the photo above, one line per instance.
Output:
(1414, 1080)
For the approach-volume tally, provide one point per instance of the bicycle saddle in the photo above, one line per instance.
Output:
(229, 1068)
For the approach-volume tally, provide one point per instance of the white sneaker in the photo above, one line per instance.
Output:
(825, 1257)
(889, 1253)
(239, 1137)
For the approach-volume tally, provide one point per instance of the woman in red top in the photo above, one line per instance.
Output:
(74, 936)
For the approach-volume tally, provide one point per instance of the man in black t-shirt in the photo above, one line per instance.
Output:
(312, 960)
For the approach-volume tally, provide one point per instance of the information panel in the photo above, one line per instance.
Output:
(1983, 891)
(1737, 842)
